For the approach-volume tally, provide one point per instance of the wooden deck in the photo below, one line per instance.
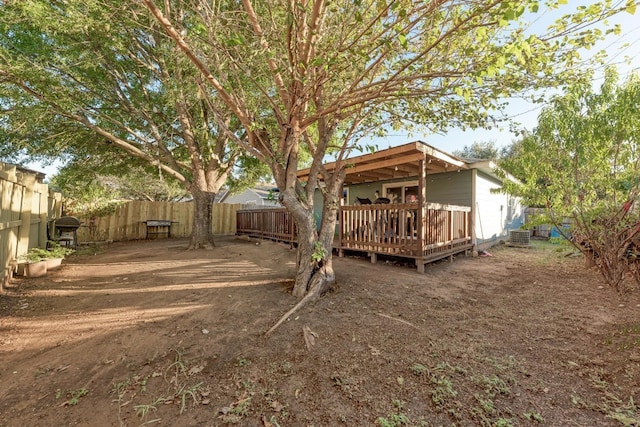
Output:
(400, 230)
(269, 223)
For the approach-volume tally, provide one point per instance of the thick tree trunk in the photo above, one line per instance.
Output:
(315, 273)
(321, 278)
(202, 233)
(324, 278)
(313, 277)
(305, 264)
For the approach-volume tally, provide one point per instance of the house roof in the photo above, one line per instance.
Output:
(40, 176)
(490, 168)
(402, 161)
(262, 191)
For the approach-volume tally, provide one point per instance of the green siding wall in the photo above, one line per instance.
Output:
(364, 191)
(452, 188)
(495, 213)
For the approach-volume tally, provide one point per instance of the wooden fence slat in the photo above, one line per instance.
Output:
(128, 220)
(25, 209)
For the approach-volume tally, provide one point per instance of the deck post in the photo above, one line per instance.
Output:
(341, 222)
(451, 231)
(374, 257)
(473, 216)
(422, 212)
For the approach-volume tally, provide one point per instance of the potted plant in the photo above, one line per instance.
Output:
(38, 261)
(34, 264)
(55, 254)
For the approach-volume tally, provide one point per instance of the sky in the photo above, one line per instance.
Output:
(623, 51)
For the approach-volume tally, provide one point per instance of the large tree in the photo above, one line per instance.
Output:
(96, 79)
(582, 163)
(316, 64)
(483, 150)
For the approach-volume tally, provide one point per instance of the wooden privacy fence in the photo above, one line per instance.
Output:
(270, 223)
(129, 221)
(25, 208)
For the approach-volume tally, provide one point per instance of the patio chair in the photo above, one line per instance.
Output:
(361, 201)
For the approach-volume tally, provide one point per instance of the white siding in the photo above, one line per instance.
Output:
(495, 213)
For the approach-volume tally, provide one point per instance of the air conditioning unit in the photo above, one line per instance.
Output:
(519, 237)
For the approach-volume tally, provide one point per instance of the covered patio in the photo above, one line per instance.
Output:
(404, 224)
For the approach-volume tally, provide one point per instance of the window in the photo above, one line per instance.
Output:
(401, 192)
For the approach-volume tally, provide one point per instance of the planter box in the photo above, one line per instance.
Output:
(53, 263)
(35, 269)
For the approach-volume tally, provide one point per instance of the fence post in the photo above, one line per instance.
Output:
(43, 213)
(28, 182)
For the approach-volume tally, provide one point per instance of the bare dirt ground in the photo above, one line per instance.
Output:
(146, 333)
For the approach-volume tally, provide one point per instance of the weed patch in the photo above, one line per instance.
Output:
(623, 410)
(174, 384)
(73, 396)
(396, 419)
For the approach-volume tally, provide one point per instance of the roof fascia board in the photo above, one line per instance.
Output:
(440, 155)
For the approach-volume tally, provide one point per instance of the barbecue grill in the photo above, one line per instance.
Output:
(65, 231)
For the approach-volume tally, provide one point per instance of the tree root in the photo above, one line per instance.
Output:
(320, 282)
(309, 337)
(310, 296)
(200, 245)
(398, 320)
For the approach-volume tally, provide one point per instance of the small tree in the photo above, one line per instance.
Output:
(583, 164)
(286, 68)
(87, 198)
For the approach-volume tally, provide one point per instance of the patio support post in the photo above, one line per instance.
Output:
(341, 223)
(422, 212)
(474, 211)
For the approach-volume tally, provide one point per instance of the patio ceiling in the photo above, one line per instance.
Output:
(397, 162)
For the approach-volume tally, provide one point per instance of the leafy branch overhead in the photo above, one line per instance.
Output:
(79, 88)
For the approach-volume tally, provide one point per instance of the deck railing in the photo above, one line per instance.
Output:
(393, 229)
(269, 223)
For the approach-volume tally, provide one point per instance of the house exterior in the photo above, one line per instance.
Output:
(258, 196)
(493, 213)
(451, 205)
